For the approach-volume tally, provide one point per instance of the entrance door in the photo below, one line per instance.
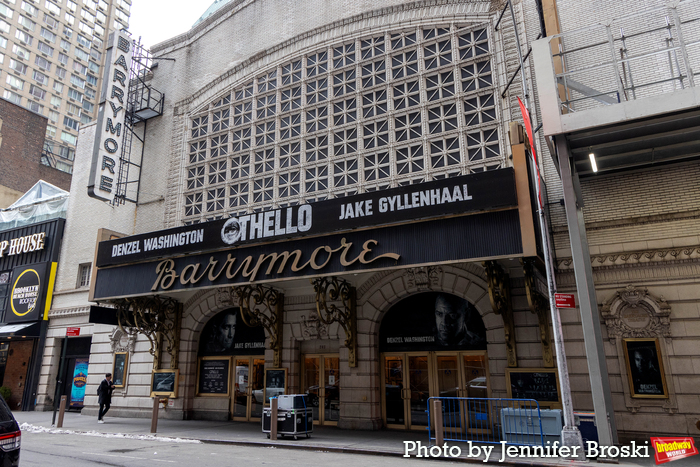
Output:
(322, 384)
(410, 378)
(248, 379)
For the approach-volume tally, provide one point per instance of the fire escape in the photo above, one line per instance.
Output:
(143, 103)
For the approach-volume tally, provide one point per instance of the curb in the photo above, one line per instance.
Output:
(367, 452)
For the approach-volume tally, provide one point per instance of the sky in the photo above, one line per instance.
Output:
(158, 20)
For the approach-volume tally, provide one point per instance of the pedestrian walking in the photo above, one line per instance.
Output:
(104, 396)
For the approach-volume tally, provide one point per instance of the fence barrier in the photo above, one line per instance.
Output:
(515, 421)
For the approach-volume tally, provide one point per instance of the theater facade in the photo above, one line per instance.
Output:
(336, 199)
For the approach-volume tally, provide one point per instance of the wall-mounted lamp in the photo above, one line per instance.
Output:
(594, 166)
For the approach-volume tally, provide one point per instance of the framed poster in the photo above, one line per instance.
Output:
(213, 376)
(164, 383)
(540, 384)
(275, 383)
(645, 368)
(121, 360)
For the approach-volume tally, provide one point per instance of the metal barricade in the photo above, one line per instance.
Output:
(481, 420)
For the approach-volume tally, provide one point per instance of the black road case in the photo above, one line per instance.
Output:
(290, 422)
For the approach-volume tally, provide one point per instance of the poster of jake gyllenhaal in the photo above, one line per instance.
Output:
(645, 368)
(432, 321)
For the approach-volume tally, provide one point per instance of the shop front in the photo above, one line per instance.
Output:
(28, 259)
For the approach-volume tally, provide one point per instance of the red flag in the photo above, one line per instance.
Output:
(528, 129)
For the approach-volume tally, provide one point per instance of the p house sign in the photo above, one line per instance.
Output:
(110, 118)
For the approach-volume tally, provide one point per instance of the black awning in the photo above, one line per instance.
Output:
(21, 330)
(103, 315)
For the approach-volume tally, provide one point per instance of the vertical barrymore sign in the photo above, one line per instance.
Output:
(110, 118)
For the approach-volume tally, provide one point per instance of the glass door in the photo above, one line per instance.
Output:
(411, 378)
(406, 390)
(394, 391)
(322, 385)
(247, 397)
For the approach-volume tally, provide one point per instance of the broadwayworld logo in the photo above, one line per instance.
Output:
(672, 449)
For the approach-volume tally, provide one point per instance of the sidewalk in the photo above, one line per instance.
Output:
(329, 439)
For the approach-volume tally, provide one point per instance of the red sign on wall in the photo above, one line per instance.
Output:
(72, 332)
(564, 300)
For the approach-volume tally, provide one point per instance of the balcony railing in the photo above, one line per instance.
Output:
(644, 54)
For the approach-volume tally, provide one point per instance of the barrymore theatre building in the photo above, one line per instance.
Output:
(333, 190)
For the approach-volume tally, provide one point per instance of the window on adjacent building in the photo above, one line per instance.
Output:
(20, 51)
(18, 66)
(15, 82)
(53, 8)
(40, 78)
(56, 101)
(23, 37)
(26, 22)
(45, 48)
(73, 94)
(84, 275)
(66, 153)
(68, 138)
(42, 63)
(36, 107)
(12, 97)
(37, 92)
(48, 35)
(31, 9)
(4, 26)
(70, 123)
(50, 21)
(6, 11)
(57, 87)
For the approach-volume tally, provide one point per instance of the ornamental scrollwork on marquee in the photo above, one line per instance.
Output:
(499, 294)
(330, 289)
(158, 318)
(634, 312)
(539, 306)
(263, 306)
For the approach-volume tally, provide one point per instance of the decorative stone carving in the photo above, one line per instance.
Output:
(313, 328)
(225, 297)
(329, 290)
(121, 341)
(636, 257)
(499, 294)
(423, 277)
(634, 312)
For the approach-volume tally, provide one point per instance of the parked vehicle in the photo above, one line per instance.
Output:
(10, 436)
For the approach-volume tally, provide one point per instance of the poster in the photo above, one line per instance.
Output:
(645, 368)
(77, 392)
(432, 321)
(227, 334)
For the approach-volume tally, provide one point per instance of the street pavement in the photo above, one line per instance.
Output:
(84, 438)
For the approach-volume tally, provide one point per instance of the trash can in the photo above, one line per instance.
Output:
(586, 425)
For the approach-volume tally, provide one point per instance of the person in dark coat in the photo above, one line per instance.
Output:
(104, 396)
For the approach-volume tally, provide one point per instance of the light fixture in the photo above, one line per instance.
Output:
(594, 166)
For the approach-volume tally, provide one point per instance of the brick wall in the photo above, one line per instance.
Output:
(22, 140)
